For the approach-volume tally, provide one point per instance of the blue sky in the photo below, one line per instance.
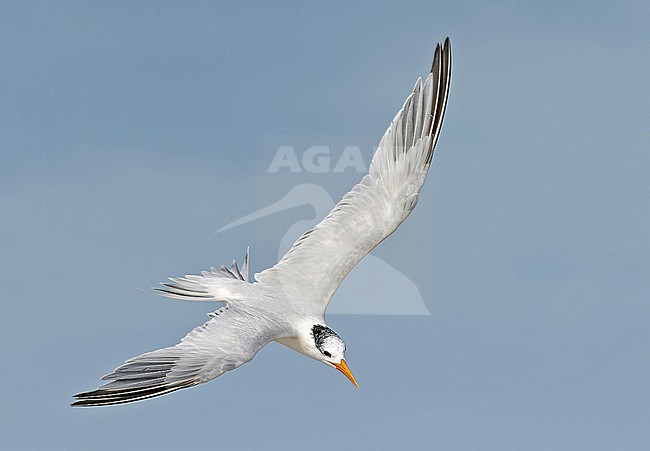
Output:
(132, 131)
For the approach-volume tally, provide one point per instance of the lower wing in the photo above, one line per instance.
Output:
(227, 341)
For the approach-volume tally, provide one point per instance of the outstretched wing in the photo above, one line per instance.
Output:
(214, 285)
(231, 338)
(315, 266)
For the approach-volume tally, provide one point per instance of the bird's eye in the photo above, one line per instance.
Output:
(327, 354)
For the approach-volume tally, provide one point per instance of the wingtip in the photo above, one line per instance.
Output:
(447, 50)
(436, 58)
(441, 49)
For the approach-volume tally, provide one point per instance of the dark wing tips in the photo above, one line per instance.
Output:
(447, 45)
(441, 70)
(436, 59)
(446, 78)
(103, 397)
(442, 56)
(138, 378)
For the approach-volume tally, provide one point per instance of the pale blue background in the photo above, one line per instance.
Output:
(128, 134)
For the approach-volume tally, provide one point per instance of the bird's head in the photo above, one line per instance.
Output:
(331, 350)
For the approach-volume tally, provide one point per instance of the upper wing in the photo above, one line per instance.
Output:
(228, 340)
(215, 285)
(315, 266)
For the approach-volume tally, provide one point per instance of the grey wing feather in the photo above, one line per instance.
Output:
(214, 285)
(319, 260)
(227, 341)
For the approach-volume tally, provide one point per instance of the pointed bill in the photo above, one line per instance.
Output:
(343, 368)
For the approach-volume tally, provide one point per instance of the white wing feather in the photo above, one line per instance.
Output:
(311, 271)
(231, 338)
(214, 285)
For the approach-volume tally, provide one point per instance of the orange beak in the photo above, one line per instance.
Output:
(343, 368)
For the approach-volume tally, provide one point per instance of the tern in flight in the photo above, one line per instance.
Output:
(286, 303)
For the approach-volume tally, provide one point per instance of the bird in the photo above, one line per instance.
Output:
(286, 303)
